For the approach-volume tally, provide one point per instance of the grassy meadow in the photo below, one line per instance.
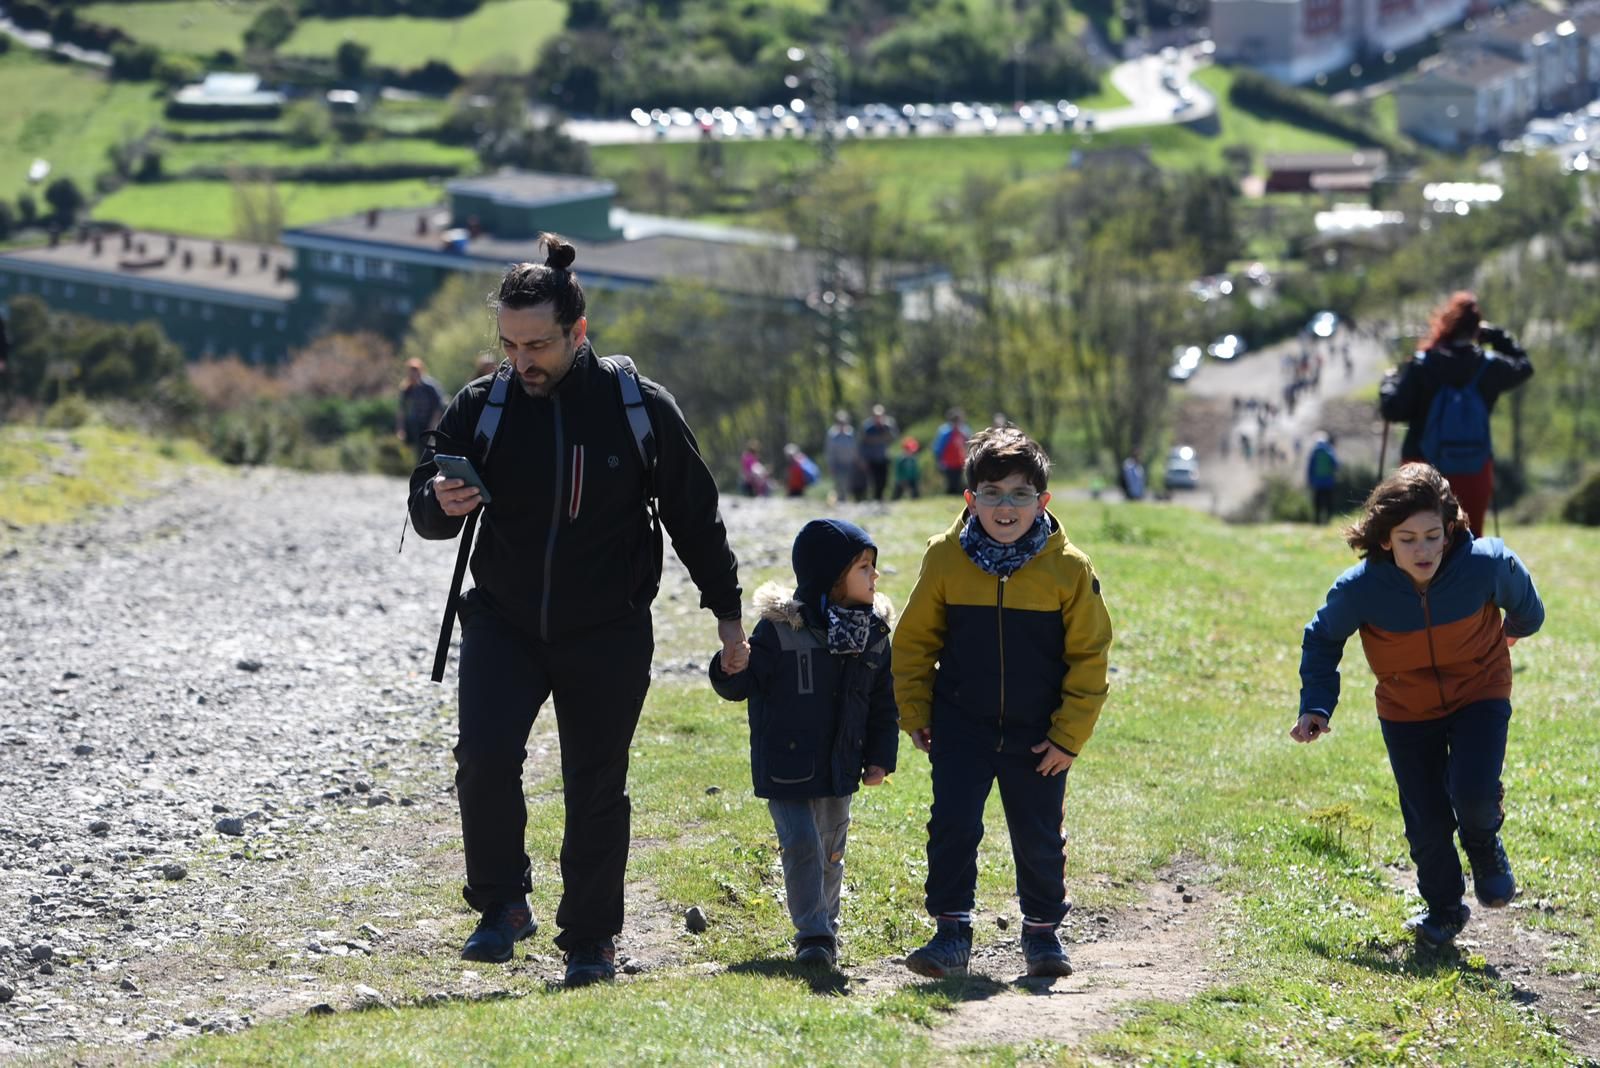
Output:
(205, 208)
(501, 30)
(65, 115)
(1191, 766)
(198, 27)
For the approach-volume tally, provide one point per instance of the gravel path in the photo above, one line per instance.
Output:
(215, 705)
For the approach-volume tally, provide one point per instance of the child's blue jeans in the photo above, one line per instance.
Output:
(811, 834)
(1448, 772)
(964, 771)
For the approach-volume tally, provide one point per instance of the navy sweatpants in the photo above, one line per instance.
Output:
(599, 683)
(1448, 772)
(963, 774)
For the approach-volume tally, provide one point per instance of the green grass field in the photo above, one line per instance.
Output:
(1191, 764)
(180, 156)
(501, 29)
(66, 115)
(198, 27)
(205, 209)
(1261, 133)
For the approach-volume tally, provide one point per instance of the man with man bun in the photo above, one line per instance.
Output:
(564, 571)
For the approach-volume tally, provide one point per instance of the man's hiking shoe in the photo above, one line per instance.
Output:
(1439, 927)
(1492, 880)
(499, 929)
(1042, 952)
(816, 951)
(592, 962)
(946, 954)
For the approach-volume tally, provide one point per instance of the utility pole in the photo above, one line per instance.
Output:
(830, 301)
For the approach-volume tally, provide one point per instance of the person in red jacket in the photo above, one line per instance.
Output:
(1455, 356)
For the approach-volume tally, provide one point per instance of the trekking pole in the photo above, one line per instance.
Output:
(1383, 449)
(1494, 499)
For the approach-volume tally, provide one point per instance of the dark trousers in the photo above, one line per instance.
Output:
(1448, 772)
(953, 483)
(963, 772)
(878, 474)
(1321, 504)
(599, 682)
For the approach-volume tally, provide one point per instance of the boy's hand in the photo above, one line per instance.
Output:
(922, 738)
(874, 775)
(1309, 727)
(1056, 759)
(735, 649)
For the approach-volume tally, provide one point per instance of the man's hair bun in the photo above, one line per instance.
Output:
(558, 253)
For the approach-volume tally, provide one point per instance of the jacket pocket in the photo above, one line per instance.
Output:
(791, 757)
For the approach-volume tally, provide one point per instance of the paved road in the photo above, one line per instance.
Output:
(1228, 480)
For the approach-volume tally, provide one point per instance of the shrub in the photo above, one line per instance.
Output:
(173, 69)
(227, 384)
(270, 28)
(68, 413)
(343, 366)
(1583, 506)
(134, 62)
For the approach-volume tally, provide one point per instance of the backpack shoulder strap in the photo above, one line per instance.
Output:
(626, 374)
(493, 409)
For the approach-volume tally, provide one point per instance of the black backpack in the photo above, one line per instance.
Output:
(626, 375)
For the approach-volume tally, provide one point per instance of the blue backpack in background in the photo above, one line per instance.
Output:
(1456, 437)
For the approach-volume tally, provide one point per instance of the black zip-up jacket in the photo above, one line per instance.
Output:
(566, 544)
(1406, 399)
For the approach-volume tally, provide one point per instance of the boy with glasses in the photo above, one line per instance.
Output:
(1000, 672)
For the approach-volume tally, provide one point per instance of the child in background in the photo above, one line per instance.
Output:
(822, 715)
(908, 470)
(1427, 598)
(1000, 665)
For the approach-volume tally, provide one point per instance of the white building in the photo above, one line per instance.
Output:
(1295, 40)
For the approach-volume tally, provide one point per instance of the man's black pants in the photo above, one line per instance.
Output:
(599, 681)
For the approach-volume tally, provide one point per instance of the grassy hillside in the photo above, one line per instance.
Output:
(1191, 765)
(501, 29)
(198, 27)
(56, 475)
(206, 208)
(66, 115)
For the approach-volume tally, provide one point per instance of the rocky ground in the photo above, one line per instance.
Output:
(225, 784)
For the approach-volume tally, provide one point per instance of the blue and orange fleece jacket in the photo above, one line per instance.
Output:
(1003, 662)
(1434, 650)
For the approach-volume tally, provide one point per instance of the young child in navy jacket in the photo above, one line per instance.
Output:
(822, 715)
(1427, 599)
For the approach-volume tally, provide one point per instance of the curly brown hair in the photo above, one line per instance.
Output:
(997, 451)
(1456, 318)
(1413, 488)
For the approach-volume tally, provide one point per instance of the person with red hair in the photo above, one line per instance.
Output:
(1456, 377)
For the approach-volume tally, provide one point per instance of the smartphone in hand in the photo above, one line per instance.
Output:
(461, 467)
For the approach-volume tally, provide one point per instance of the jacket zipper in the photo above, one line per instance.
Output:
(555, 523)
(1433, 661)
(1000, 625)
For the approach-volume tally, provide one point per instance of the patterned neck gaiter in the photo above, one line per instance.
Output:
(848, 628)
(1001, 559)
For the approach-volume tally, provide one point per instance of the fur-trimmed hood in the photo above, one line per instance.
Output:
(773, 602)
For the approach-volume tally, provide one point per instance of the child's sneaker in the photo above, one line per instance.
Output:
(816, 951)
(1041, 950)
(946, 954)
(1492, 880)
(1439, 927)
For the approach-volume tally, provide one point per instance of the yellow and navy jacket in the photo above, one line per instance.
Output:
(1003, 662)
(1433, 650)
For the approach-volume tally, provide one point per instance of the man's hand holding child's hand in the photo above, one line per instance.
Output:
(735, 649)
(1056, 759)
(874, 775)
(922, 738)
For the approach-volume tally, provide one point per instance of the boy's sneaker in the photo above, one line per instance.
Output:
(1492, 880)
(816, 951)
(592, 962)
(1041, 950)
(946, 954)
(499, 929)
(1439, 927)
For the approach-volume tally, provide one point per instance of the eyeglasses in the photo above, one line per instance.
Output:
(1019, 498)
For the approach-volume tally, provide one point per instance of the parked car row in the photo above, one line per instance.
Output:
(796, 118)
(1186, 359)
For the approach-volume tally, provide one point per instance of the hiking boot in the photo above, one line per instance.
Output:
(1041, 950)
(816, 951)
(1492, 880)
(1439, 927)
(499, 929)
(592, 962)
(946, 954)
